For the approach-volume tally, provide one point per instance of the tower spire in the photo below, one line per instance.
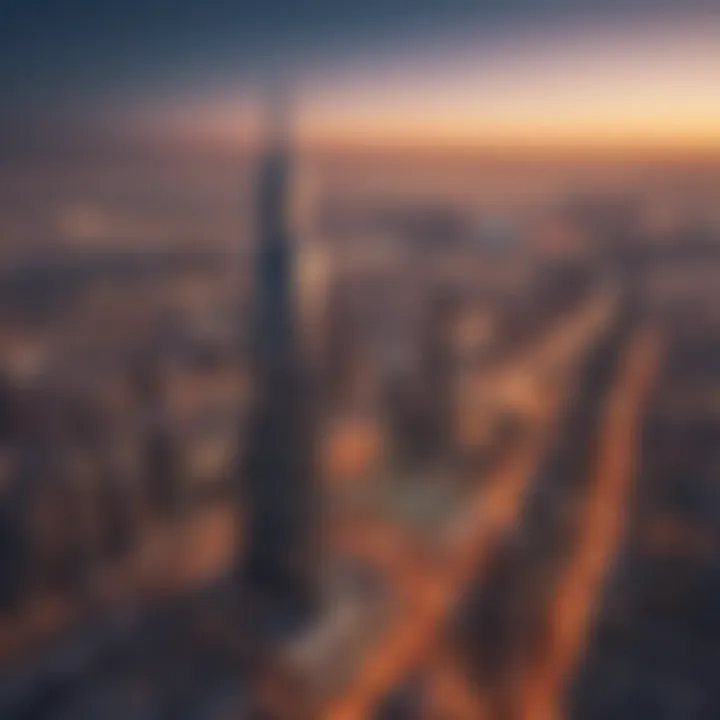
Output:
(280, 559)
(277, 114)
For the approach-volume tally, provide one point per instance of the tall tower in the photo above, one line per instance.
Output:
(281, 560)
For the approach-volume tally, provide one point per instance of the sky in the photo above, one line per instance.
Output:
(456, 72)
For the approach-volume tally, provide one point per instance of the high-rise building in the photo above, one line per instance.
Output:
(14, 536)
(281, 560)
(436, 373)
(419, 400)
(161, 448)
(340, 349)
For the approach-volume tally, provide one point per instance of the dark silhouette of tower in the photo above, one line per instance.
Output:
(280, 550)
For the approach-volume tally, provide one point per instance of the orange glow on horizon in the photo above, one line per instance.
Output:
(647, 92)
(398, 134)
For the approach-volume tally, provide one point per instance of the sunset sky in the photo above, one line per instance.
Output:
(638, 73)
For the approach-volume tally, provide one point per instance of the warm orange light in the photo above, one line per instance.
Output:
(646, 91)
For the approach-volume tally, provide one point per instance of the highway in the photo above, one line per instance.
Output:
(525, 382)
(429, 590)
(578, 591)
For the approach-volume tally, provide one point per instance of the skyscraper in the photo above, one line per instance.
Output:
(436, 373)
(280, 549)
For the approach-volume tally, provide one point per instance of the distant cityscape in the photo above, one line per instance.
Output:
(316, 437)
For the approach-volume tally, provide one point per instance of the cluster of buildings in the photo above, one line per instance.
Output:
(222, 386)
